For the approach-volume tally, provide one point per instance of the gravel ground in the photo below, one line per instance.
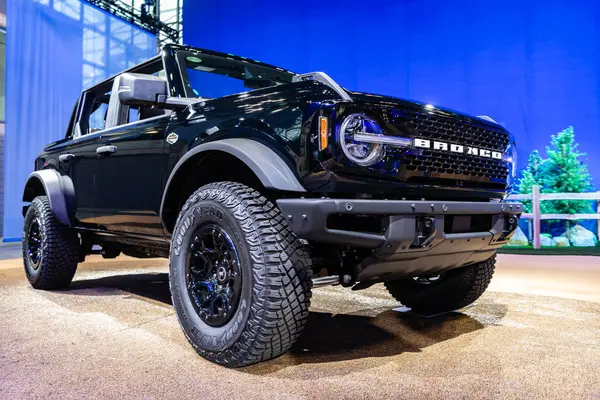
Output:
(535, 334)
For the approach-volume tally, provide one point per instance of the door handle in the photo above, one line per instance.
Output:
(66, 158)
(106, 150)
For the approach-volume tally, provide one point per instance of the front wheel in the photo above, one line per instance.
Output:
(450, 291)
(240, 279)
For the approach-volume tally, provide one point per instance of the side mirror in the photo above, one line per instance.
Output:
(141, 89)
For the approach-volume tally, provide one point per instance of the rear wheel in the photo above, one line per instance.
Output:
(50, 249)
(240, 279)
(452, 290)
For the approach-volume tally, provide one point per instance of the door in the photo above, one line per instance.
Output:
(77, 157)
(78, 160)
(130, 174)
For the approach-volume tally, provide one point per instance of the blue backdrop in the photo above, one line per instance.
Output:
(54, 48)
(532, 65)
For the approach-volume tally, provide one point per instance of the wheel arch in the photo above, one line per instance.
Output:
(58, 188)
(241, 160)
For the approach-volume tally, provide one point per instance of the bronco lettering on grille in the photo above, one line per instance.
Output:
(456, 148)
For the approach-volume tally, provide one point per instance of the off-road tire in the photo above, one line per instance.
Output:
(455, 289)
(276, 276)
(59, 248)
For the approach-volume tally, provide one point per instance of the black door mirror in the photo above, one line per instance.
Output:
(141, 89)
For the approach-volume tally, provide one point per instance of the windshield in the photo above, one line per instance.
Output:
(207, 76)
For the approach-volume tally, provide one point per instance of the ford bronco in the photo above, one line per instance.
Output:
(259, 184)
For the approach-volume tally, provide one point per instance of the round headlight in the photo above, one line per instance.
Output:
(360, 152)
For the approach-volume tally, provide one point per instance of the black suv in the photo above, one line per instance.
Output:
(259, 184)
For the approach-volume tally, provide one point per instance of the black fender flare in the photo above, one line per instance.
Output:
(272, 171)
(59, 189)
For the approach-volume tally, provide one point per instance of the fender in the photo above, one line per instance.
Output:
(268, 166)
(59, 189)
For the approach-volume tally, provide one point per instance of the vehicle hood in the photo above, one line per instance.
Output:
(390, 102)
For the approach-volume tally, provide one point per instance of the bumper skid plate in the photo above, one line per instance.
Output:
(416, 237)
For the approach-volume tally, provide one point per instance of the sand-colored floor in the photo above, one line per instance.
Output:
(534, 335)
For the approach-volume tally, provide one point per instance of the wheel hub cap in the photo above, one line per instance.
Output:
(34, 244)
(213, 275)
(221, 274)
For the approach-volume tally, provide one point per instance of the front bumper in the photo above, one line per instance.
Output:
(396, 250)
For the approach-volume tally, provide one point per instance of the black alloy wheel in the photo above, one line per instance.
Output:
(213, 275)
(50, 249)
(240, 279)
(34, 244)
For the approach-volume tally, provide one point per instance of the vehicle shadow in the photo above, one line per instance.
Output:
(327, 337)
(336, 338)
(153, 286)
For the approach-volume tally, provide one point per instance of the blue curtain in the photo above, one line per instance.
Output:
(54, 49)
(532, 65)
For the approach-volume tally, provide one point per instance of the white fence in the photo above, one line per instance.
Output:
(536, 216)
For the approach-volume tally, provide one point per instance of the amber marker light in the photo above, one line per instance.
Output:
(323, 133)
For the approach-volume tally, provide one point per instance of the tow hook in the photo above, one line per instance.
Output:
(424, 231)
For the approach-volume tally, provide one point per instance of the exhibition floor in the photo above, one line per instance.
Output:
(535, 334)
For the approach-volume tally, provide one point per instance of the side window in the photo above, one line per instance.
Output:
(142, 113)
(134, 114)
(92, 117)
(95, 106)
(97, 119)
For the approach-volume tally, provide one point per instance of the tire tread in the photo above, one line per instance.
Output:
(281, 276)
(461, 287)
(60, 249)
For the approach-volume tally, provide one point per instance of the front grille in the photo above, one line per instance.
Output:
(459, 131)
(435, 164)
(431, 161)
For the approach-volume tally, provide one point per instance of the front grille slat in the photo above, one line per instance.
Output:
(430, 126)
(434, 164)
(449, 163)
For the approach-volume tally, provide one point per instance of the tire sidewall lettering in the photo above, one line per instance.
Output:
(207, 211)
(35, 212)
